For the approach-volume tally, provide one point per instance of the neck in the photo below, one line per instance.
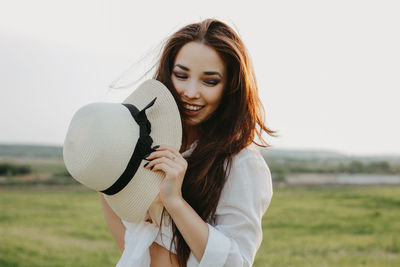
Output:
(191, 135)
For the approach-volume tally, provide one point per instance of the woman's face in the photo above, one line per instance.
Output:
(199, 76)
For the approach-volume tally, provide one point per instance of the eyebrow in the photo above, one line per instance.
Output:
(206, 72)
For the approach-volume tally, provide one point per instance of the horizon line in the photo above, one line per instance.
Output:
(332, 150)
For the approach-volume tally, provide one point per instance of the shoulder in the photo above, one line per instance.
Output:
(248, 155)
(248, 174)
(249, 161)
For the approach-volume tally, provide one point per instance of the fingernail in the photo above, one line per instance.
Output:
(155, 147)
(147, 155)
(146, 164)
(151, 168)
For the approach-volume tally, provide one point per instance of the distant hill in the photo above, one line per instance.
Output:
(36, 151)
(51, 151)
(322, 155)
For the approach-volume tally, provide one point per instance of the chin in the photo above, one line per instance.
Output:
(190, 122)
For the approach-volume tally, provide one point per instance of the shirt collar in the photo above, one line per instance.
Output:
(189, 151)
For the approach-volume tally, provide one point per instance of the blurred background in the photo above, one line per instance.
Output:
(328, 76)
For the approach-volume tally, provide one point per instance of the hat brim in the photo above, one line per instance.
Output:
(133, 201)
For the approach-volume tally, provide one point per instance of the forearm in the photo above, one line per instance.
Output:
(117, 229)
(192, 227)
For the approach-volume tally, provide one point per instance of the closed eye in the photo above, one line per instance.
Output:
(180, 76)
(207, 81)
(212, 82)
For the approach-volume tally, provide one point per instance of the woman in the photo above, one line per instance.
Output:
(217, 187)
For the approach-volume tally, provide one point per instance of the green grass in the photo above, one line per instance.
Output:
(54, 228)
(304, 226)
(332, 226)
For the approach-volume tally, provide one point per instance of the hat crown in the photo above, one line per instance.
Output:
(100, 148)
(99, 144)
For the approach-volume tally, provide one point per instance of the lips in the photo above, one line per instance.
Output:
(192, 104)
(192, 107)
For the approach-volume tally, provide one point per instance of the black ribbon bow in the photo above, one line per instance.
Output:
(142, 148)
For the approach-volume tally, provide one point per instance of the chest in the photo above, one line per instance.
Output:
(160, 257)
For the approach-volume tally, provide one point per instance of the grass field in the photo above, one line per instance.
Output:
(304, 226)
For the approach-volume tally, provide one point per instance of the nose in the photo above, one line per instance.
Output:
(191, 91)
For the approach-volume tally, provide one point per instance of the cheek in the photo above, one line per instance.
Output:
(178, 85)
(215, 97)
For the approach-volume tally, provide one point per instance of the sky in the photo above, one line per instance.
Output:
(327, 71)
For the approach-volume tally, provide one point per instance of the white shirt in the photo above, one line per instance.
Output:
(235, 236)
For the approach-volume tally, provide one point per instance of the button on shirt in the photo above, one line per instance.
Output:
(235, 235)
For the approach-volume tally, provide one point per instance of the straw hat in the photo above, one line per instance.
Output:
(106, 143)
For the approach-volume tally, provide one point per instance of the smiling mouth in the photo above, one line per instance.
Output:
(192, 107)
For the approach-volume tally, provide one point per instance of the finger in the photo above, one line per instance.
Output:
(161, 153)
(160, 160)
(162, 167)
(165, 153)
(168, 147)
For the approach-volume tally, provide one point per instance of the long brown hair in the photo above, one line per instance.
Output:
(232, 127)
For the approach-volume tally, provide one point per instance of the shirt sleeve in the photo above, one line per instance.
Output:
(237, 233)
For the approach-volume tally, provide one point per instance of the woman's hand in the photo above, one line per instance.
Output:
(171, 162)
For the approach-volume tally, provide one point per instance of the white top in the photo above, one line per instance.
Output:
(235, 236)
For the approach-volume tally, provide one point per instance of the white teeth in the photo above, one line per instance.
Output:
(190, 107)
